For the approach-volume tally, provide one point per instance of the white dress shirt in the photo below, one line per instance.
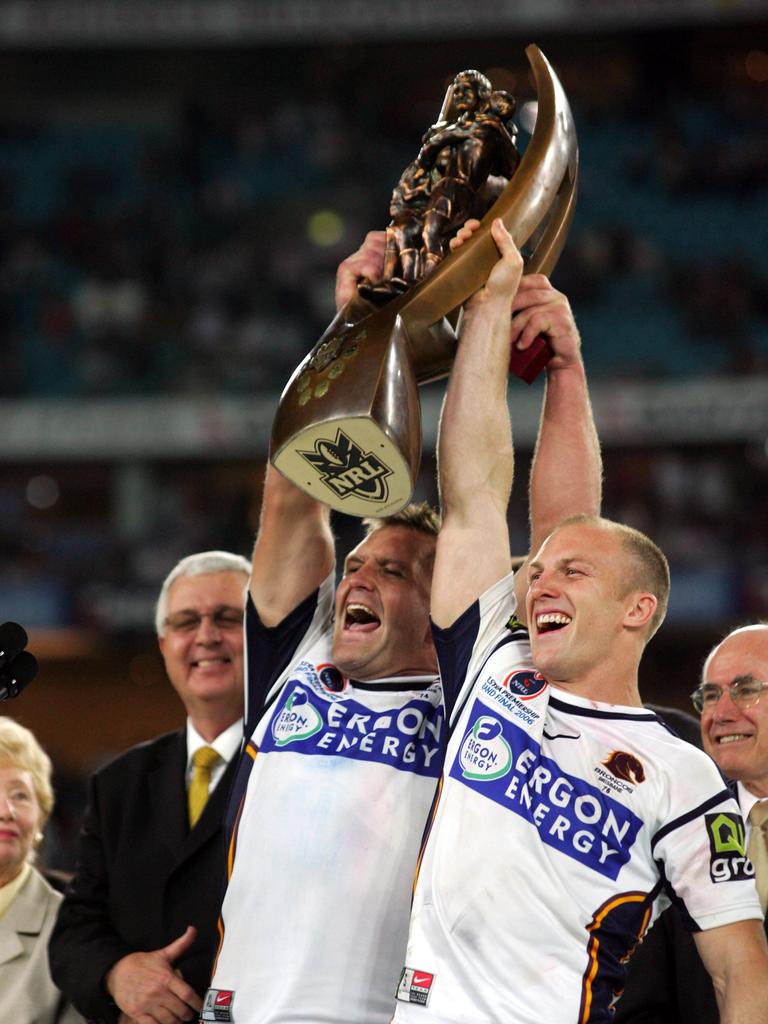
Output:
(226, 745)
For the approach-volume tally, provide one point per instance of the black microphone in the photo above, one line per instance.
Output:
(18, 674)
(13, 638)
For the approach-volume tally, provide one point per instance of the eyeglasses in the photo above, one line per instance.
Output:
(744, 691)
(223, 618)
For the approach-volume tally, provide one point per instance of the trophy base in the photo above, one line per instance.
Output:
(350, 464)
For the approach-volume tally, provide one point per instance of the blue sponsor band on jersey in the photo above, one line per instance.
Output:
(502, 762)
(316, 723)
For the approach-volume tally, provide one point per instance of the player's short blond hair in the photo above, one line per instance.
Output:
(418, 516)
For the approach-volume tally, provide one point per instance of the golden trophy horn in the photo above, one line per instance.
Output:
(348, 426)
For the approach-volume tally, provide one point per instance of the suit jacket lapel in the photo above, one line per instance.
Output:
(734, 790)
(168, 795)
(11, 946)
(25, 916)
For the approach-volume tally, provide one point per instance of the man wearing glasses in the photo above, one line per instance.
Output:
(667, 981)
(136, 934)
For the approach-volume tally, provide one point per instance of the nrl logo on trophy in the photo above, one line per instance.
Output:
(348, 470)
(348, 427)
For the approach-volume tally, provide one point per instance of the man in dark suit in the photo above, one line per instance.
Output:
(666, 981)
(136, 933)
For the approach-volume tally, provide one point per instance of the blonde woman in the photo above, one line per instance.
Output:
(28, 904)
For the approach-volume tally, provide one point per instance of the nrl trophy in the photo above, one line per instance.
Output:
(348, 427)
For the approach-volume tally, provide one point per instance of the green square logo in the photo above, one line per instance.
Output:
(728, 859)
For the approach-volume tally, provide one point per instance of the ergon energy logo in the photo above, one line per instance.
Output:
(310, 721)
(501, 762)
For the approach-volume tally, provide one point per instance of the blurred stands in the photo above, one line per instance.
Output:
(185, 250)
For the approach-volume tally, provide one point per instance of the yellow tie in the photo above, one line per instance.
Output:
(757, 849)
(203, 759)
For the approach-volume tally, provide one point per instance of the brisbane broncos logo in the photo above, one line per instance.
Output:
(625, 766)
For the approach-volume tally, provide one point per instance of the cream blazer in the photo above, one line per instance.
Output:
(27, 994)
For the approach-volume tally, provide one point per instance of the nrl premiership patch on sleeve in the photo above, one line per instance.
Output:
(415, 986)
(728, 857)
(217, 1005)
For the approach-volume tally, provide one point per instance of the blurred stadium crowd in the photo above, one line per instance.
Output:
(185, 243)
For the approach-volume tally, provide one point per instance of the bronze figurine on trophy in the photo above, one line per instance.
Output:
(451, 180)
(348, 427)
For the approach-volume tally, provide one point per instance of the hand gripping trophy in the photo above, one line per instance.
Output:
(348, 427)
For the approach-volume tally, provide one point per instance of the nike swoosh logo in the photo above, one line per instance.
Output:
(563, 736)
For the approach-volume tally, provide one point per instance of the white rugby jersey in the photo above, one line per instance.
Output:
(563, 827)
(328, 812)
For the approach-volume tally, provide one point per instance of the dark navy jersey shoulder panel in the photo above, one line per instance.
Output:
(454, 651)
(454, 646)
(270, 651)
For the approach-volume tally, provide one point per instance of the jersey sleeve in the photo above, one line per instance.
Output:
(700, 848)
(463, 647)
(270, 651)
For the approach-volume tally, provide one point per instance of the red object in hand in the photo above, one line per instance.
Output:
(528, 364)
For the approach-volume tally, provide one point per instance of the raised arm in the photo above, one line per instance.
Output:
(736, 957)
(567, 468)
(294, 549)
(475, 456)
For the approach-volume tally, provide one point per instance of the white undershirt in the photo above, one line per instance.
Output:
(226, 745)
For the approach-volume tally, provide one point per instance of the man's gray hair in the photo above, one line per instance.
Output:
(204, 563)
